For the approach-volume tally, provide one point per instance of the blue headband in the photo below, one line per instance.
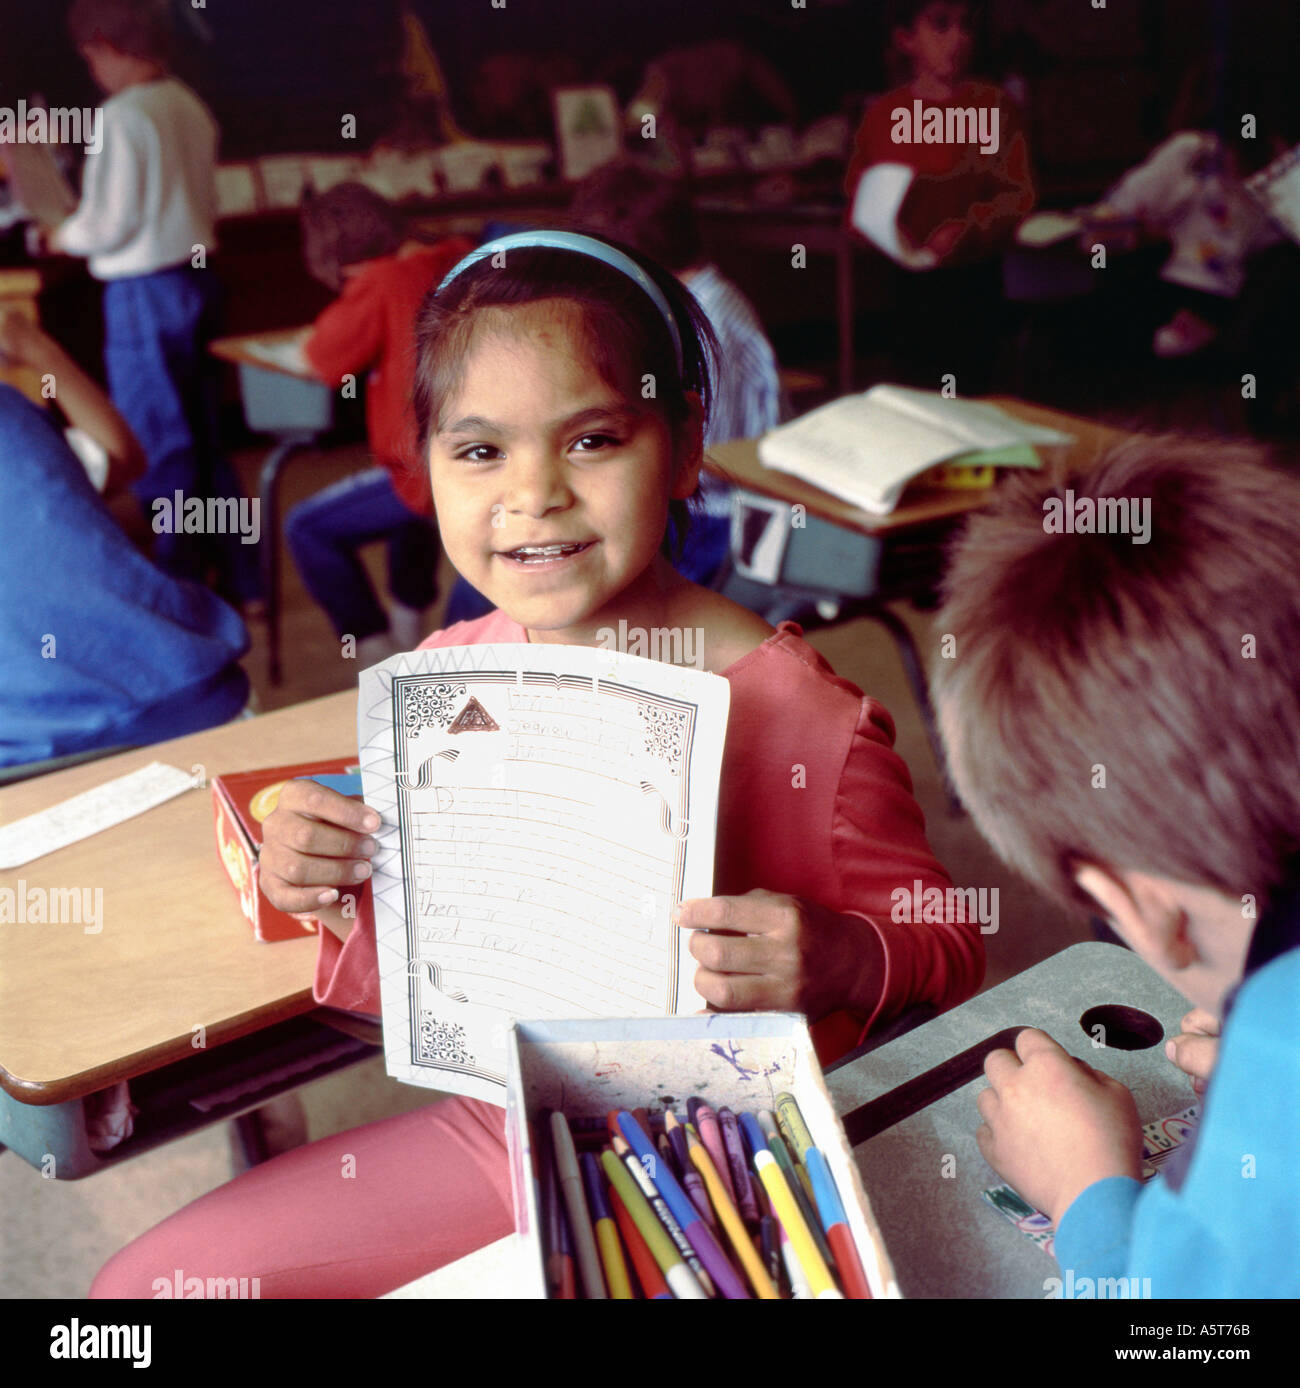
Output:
(579, 245)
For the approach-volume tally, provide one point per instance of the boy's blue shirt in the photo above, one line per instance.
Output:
(98, 647)
(1232, 1228)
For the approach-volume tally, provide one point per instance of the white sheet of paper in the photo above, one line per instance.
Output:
(41, 186)
(93, 810)
(866, 448)
(286, 353)
(1048, 229)
(544, 808)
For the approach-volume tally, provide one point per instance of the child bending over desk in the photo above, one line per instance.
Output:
(1122, 722)
(559, 487)
(354, 243)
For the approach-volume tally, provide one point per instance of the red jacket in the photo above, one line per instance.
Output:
(371, 327)
(848, 837)
(986, 193)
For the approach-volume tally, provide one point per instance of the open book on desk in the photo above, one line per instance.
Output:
(866, 448)
(544, 810)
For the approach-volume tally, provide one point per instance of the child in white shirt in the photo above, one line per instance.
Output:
(146, 223)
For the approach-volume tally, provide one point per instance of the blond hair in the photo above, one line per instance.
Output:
(1132, 704)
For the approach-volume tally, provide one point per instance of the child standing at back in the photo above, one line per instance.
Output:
(147, 222)
(354, 243)
(1174, 664)
(557, 481)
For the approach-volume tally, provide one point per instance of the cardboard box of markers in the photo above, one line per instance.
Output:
(597, 1071)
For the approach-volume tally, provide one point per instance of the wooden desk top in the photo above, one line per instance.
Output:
(236, 350)
(738, 462)
(79, 1011)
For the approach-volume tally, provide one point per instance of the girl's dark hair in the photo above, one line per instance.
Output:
(626, 336)
(345, 225)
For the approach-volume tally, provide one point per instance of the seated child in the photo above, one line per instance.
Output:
(354, 242)
(1190, 189)
(938, 196)
(1172, 667)
(554, 478)
(146, 222)
(98, 648)
(653, 214)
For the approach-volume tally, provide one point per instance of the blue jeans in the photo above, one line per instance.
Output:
(326, 531)
(156, 333)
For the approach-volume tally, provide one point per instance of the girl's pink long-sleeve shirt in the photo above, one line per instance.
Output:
(814, 803)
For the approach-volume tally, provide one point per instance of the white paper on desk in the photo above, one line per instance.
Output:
(544, 808)
(866, 448)
(286, 353)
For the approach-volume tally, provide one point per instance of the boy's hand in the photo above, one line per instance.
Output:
(779, 953)
(1195, 1050)
(1053, 1125)
(315, 844)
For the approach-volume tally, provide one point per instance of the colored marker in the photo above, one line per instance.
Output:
(805, 1250)
(648, 1273)
(838, 1234)
(793, 1128)
(568, 1277)
(611, 1251)
(771, 1249)
(663, 1214)
(696, 1230)
(681, 1280)
(690, 1177)
(710, 1131)
(553, 1216)
(800, 1289)
(801, 1193)
(731, 1221)
(584, 1237)
(742, 1185)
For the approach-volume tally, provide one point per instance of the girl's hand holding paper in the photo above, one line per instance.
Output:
(766, 951)
(315, 846)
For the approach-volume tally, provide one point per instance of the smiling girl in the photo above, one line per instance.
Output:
(561, 394)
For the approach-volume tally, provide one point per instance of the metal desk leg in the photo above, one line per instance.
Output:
(845, 310)
(269, 493)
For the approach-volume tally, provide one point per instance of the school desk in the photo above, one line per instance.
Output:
(289, 403)
(862, 562)
(945, 1240)
(79, 1012)
(19, 288)
(917, 1095)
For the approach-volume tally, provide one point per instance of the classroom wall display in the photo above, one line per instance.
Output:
(588, 128)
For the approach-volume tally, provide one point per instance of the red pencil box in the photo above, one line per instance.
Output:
(241, 801)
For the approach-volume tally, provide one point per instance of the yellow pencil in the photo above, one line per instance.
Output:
(801, 1239)
(728, 1215)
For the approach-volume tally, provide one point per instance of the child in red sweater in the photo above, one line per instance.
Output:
(558, 485)
(353, 241)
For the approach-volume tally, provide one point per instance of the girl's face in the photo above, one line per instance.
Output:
(551, 488)
(939, 43)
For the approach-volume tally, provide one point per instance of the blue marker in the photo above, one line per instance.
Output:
(683, 1211)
